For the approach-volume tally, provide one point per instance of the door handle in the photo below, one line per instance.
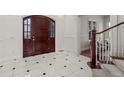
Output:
(33, 37)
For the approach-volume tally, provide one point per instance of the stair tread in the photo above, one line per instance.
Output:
(112, 70)
(119, 64)
(107, 70)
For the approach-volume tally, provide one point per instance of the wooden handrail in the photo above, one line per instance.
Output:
(110, 28)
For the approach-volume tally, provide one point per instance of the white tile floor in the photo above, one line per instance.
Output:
(59, 64)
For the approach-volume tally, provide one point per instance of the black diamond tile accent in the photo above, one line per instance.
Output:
(44, 73)
(37, 62)
(81, 68)
(28, 70)
(43, 57)
(65, 66)
(62, 76)
(14, 68)
(50, 64)
(25, 60)
(1, 66)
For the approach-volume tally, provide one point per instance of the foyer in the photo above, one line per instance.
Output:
(61, 45)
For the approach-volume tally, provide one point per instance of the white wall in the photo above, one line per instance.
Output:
(84, 35)
(117, 36)
(106, 21)
(71, 39)
(10, 37)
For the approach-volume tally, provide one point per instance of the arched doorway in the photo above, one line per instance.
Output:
(38, 35)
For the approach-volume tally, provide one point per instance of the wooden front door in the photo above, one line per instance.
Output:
(38, 35)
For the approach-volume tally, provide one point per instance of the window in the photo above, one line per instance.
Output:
(91, 25)
(94, 25)
(27, 28)
(52, 29)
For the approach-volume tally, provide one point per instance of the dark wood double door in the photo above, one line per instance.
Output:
(38, 35)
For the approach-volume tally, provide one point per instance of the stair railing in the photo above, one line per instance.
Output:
(101, 48)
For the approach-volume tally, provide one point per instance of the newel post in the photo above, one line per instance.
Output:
(93, 49)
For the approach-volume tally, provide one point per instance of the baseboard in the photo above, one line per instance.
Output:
(85, 49)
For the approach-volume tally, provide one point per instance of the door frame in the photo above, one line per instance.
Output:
(23, 30)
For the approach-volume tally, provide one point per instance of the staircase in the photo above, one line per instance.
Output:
(104, 52)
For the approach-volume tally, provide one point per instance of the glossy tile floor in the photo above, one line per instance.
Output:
(59, 64)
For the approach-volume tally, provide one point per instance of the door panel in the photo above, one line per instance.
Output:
(41, 29)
